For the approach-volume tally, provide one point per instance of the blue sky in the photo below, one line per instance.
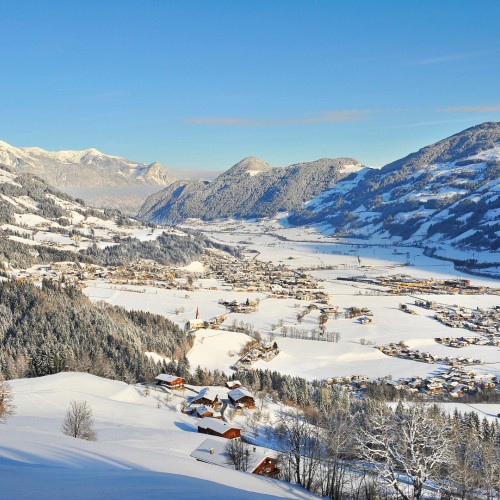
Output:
(203, 84)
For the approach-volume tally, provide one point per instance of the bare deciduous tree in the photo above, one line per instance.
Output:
(79, 422)
(410, 443)
(237, 454)
(301, 444)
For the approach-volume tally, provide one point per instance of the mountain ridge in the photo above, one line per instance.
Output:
(103, 180)
(447, 193)
(251, 188)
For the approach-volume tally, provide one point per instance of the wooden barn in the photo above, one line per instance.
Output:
(171, 381)
(261, 461)
(242, 397)
(218, 428)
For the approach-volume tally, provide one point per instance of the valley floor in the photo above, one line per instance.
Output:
(325, 260)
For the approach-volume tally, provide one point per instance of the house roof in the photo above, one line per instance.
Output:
(239, 393)
(219, 455)
(202, 409)
(167, 378)
(207, 393)
(216, 425)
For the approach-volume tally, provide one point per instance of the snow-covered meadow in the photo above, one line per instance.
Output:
(142, 448)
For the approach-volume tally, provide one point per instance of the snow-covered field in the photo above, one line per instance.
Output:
(141, 451)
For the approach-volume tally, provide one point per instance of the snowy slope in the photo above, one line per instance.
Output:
(141, 451)
(445, 196)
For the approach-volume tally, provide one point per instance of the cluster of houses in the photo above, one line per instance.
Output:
(195, 324)
(455, 382)
(70, 272)
(265, 352)
(355, 312)
(400, 350)
(335, 313)
(403, 284)
(252, 275)
(459, 342)
(207, 402)
(483, 321)
(353, 384)
(208, 407)
(138, 273)
(247, 307)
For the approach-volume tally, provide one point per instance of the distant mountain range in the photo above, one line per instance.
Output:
(100, 179)
(250, 189)
(445, 194)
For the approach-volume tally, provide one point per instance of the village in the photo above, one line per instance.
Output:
(404, 284)
(484, 322)
(230, 273)
(249, 275)
(456, 382)
(402, 351)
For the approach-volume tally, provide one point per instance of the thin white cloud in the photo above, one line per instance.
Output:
(441, 59)
(336, 116)
(445, 58)
(491, 108)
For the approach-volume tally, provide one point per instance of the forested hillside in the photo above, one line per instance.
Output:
(39, 225)
(166, 249)
(53, 328)
(446, 193)
(250, 189)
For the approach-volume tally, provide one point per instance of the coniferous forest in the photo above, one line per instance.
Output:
(54, 328)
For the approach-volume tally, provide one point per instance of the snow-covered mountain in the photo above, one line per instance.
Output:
(100, 179)
(447, 195)
(251, 189)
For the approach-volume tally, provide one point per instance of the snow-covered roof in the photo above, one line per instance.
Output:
(220, 457)
(240, 392)
(202, 409)
(167, 378)
(216, 425)
(208, 393)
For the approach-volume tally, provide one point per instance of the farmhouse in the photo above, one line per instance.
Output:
(171, 381)
(207, 397)
(218, 428)
(242, 397)
(233, 384)
(206, 411)
(260, 460)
